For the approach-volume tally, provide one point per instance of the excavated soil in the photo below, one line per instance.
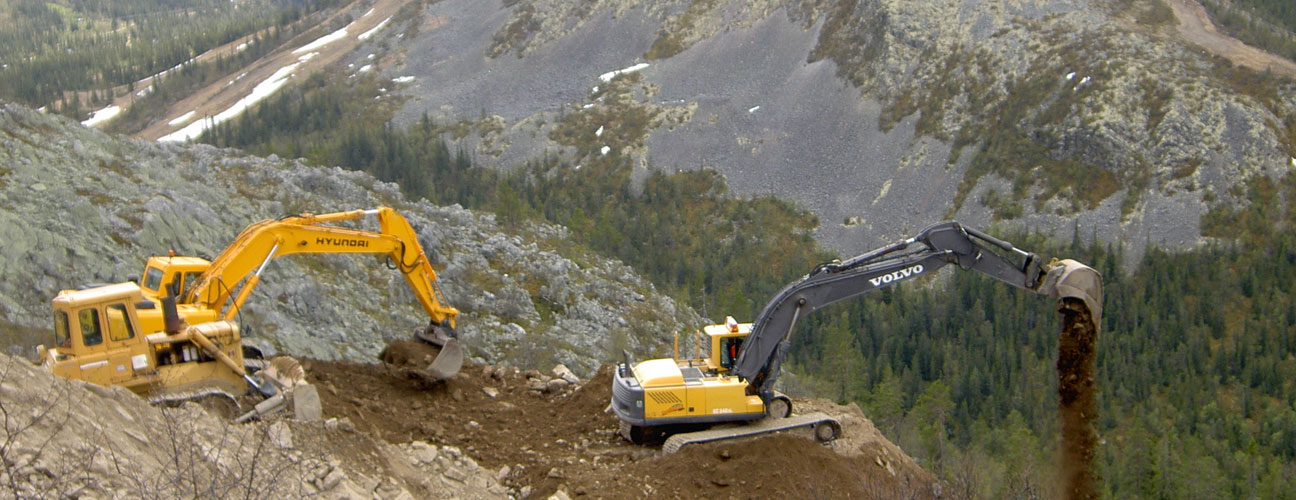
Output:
(1076, 405)
(542, 442)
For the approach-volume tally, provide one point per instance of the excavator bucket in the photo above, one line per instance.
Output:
(450, 359)
(436, 355)
(447, 363)
(1070, 279)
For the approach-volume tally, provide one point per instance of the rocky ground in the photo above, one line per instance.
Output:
(82, 207)
(490, 432)
(78, 206)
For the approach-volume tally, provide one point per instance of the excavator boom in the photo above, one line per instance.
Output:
(239, 266)
(935, 247)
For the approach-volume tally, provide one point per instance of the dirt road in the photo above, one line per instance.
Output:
(227, 91)
(1196, 27)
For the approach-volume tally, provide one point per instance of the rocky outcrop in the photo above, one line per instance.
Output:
(79, 207)
(882, 116)
(70, 439)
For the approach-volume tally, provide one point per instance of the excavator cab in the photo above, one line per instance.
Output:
(163, 273)
(724, 344)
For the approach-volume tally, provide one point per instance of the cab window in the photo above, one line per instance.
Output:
(90, 333)
(119, 325)
(153, 279)
(190, 279)
(61, 338)
(730, 349)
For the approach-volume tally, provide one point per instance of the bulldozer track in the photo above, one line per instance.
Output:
(178, 398)
(814, 421)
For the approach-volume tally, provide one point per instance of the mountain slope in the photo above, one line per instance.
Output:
(82, 207)
(879, 116)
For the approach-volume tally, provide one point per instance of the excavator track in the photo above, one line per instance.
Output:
(824, 428)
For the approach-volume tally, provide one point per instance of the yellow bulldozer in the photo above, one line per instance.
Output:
(172, 337)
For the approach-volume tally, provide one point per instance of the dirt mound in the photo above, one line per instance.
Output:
(542, 435)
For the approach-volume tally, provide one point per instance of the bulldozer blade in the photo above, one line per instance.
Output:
(285, 371)
(447, 363)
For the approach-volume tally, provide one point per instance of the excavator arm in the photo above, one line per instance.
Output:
(935, 247)
(234, 273)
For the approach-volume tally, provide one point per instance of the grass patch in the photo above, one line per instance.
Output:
(670, 40)
(1155, 99)
(1154, 13)
(514, 35)
(851, 38)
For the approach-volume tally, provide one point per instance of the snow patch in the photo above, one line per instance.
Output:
(607, 77)
(367, 34)
(102, 115)
(753, 109)
(181, 119)
(403, 79)
(366, 14)
(1083, 82)
(1070, 75)
(599, 132)
(1293, 162)
(605, 150)
(365, 69)
(241, 47)
(261, 91)
(307, 57)
(322, 41)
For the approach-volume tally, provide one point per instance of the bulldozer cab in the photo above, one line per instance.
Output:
(96, 334)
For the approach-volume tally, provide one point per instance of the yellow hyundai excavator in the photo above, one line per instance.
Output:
(734, 381)
(172, 336)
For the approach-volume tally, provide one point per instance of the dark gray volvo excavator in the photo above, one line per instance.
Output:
(734, 380)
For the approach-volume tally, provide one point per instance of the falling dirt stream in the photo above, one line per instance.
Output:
(1075, 367)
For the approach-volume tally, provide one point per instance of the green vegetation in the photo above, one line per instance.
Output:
(668, 42)
(684, 230)
(852, 37)
(1197, 357)
(515, 34)
(76, 55)
(1267, 24)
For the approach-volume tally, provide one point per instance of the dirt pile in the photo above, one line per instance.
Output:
(1076, 404)
(542, 435)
